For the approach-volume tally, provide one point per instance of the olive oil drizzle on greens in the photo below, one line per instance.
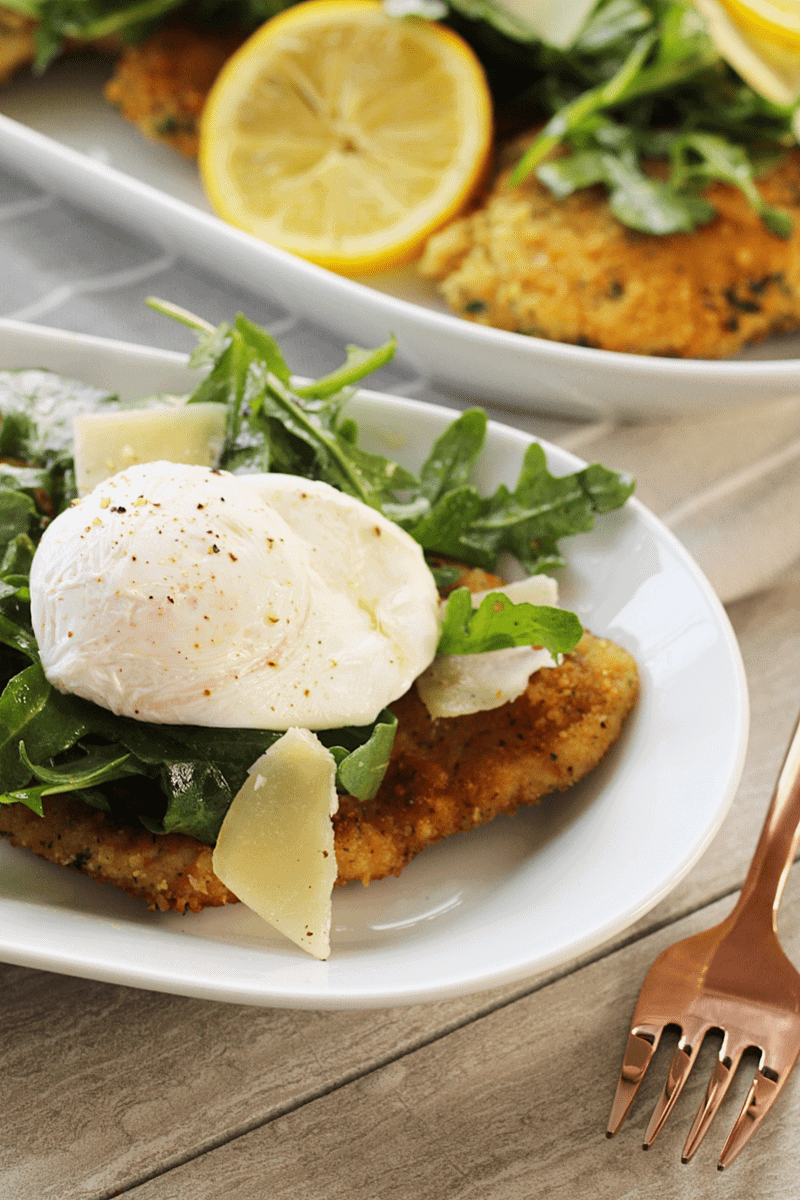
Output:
(52, 743)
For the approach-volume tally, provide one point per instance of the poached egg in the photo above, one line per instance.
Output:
(186, 595)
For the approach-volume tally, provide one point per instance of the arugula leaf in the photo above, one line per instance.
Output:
(17, 557)
(89, 20)
(273, 426)
(444, 576)
(636, 199)
(201, 779)
(358, 364)
(93, 20)
(702, 157)
(582, 169)
(31, 797)
(302, 431)
(33, 711)
(199, 790)
(626, 81)
(38, 409)
(197, 769)
(649, 204)
(446, 527)
(15, 623)
(610, 23)
(198, 797)
(499, 624)
(362, 754)
(17, 513)
(339, 461)
(453, 454)
(527, 522)
(18, 638)
(94, 767)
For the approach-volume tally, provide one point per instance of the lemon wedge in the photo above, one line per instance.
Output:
(344, 135)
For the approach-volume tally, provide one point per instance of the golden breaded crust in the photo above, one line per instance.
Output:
(454, 774)
(17, 42)
(445, 776)
(162, 84)
(167, 870)
(568, 270)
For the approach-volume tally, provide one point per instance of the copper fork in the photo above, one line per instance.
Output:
(733, 978)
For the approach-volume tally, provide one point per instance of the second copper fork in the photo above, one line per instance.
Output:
(733, 978)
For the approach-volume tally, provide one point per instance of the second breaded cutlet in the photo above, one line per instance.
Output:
(567, 270)
(445, 776)
(162, 84)
(17, 42)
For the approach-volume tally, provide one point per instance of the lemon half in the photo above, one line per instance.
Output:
(344, 135)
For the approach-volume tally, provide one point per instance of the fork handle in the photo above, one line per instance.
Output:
(769, 869)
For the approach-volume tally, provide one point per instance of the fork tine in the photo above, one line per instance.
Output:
(681, 1065)
(642, 1044)
(763, 1093)
(724, 1070)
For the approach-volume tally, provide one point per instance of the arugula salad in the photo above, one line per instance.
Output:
(642, 80)
(182, 778)
(60, 21)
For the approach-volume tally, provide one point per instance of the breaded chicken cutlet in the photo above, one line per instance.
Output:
(567, 270)
(162, 84)
(17, 42)
(159, 85)
(445, 776)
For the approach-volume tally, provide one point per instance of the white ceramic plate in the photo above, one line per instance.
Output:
(69, 141)
(479, 909)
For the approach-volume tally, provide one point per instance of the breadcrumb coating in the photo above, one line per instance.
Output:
(444, 777)
(568, 270)
(17, 42)
(169, 871)
(162, 84)
(454, 774)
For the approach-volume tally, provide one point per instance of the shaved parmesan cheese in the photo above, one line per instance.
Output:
(536, 589)
(111, 441)
(455, 685)
(556, 23)
(275, 848)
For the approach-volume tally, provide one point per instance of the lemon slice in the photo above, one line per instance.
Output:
(776, 20)
(344, 135)
(765, 52)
